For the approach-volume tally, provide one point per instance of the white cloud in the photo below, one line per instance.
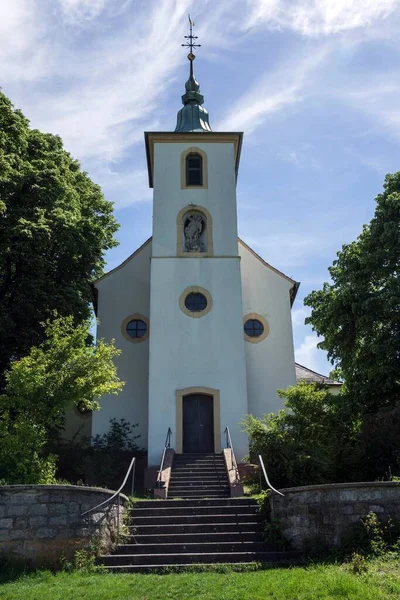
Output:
(319, 17)
(299, 314)
(79, 11)
(308, 355)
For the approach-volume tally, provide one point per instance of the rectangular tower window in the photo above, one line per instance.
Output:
(194, 170)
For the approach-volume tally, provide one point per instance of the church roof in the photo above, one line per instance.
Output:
(305, 374)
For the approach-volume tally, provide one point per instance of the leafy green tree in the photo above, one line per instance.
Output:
(55, 226)
(310, 442)
(63, 371)
(358, 314)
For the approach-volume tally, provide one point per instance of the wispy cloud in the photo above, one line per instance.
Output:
(77, 12)
(319, 17)
(288, 84)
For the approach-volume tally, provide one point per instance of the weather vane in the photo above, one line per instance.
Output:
(191, 41)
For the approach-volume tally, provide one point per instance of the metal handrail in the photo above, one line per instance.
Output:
(260, 460)
(233, 458)
(166, 447)
(117, 493)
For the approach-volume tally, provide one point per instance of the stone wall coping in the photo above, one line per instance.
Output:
(46, 487)
(341, 486)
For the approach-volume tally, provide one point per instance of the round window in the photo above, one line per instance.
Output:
(136, 328)
(196, 302)
(253, 328)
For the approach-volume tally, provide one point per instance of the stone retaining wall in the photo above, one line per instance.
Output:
(41, 523)
(325, 512)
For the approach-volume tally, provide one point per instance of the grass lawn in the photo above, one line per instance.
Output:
(382, 581)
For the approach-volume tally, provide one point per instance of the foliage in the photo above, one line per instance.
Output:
(358, 563)
(55, 226)
(372, 537)
(379, 445)
(273, 534)
(59, 373)
(311, 441)
(102, 460)
(358, 314)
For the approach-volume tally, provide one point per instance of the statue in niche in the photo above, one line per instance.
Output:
(194, 226)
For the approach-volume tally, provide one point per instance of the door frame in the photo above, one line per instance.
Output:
(215, 394)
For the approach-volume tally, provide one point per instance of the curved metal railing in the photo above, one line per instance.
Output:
(167, 446)
(260, 460)
(117, 493)
(233, 458)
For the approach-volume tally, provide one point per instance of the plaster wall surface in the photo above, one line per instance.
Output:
(270, 363)
(189, 352)
(186, 351)
(219, 198)
(123, 292)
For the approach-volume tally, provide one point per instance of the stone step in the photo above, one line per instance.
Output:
(200, 464)
(216, 527)
(184, 566)
(195, 503)
(198, 495)
(198, 491)
(193, 558)
(200, 548)
(198, 485)
(193, 510)
(198, 538)
(195, 475)
(194, 519)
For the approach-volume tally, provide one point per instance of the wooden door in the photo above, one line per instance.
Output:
(198, 424)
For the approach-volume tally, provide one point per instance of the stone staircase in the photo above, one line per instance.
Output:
(196, 476)
(204, 527)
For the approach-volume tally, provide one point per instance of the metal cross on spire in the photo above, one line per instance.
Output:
(191, 41)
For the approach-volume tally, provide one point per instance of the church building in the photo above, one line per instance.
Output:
(203, 322)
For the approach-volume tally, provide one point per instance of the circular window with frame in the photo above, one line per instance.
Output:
(135, 328)
(195, 302)
(255, 328)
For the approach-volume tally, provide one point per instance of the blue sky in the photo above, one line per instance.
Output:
(313, 84)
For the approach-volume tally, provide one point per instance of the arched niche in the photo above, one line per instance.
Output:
(194, 236)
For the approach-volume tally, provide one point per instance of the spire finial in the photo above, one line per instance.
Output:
(192, 117)
(190, 43)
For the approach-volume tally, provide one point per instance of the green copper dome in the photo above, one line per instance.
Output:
(192, 117)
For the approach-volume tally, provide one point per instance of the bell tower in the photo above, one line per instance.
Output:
(197, 370)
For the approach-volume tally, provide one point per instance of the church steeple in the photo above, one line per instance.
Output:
(192, 117)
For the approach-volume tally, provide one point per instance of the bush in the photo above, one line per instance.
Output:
(102, 460)
(312, 441)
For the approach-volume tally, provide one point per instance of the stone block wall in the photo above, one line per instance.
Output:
(41, 523)
(327, 511)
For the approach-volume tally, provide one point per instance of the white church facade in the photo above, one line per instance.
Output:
(203, 323)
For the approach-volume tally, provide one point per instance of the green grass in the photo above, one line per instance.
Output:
(382, 581)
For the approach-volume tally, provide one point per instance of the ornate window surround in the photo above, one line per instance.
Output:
(194, 150)
(179, 415)
(195, 289)
(131, 318)
(260, 338)
(180, 234)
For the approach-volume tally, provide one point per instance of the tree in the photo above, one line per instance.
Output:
(311, 441)
(63, 371)
(55, 226)
(358, 314)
